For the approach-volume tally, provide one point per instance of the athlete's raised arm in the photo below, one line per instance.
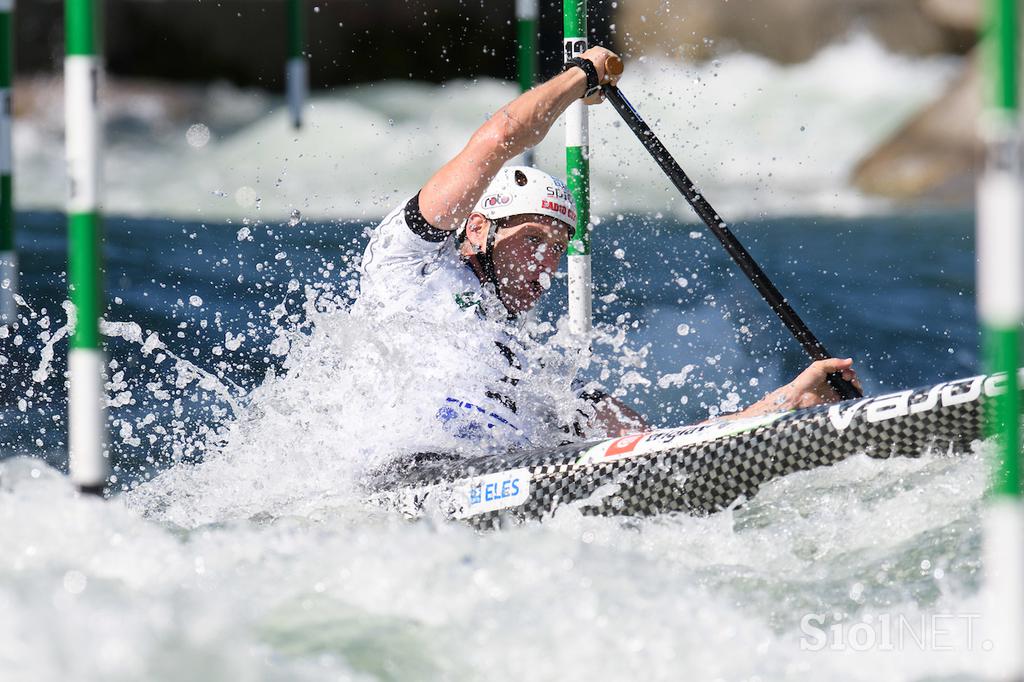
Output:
(448, 197)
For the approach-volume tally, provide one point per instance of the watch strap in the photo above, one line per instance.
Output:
(593, 82)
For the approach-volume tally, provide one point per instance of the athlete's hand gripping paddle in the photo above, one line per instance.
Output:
(707, 213)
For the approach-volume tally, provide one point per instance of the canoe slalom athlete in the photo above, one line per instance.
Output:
(483, 239)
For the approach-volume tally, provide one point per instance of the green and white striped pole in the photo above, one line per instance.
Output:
(526, 56)
(577, 171)
(8, 256)
(83, 71)
(297, 68)
(1001, 312)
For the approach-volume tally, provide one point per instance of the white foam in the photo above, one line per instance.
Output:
(91, 589)
(756, 136)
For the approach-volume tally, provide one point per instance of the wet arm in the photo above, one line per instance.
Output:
(448, 197)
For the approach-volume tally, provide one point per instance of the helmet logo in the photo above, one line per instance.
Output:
(556, 207)
(496, 200)
(560, 192)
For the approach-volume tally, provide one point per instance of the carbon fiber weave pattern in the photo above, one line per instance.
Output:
(697, 477)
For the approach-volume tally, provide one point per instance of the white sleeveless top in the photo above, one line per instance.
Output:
(410, 268)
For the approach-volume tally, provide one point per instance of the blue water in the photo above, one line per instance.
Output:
(895, 292)
(257, 558)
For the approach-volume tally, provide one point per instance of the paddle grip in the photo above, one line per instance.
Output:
(845, 389)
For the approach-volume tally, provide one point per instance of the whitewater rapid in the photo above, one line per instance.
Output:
(247, 404)
(334, 590)
(758, 137)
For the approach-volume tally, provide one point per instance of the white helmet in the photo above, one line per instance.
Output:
(518, 190)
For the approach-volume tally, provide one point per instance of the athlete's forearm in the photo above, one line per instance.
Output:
(450, 194)
(526, 120)
(448, 197)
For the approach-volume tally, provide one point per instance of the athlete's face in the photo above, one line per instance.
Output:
(527, 251)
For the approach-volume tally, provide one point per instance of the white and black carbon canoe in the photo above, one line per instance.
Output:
(698, 469)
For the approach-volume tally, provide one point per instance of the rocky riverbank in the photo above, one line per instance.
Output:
(791, 30)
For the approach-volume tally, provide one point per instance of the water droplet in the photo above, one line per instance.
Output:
(245, 196)
(197, 135)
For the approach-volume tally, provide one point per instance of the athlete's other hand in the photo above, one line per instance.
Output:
(600, 56)
(810, 388)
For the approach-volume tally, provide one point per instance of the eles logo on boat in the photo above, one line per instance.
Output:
(492, 492)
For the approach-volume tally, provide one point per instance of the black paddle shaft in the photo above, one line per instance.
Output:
(740, 256)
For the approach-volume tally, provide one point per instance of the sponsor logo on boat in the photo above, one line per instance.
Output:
(905, 403)
(626, 444)
(492, 492)
(668, 439)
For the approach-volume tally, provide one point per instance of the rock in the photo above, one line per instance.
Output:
(934, 154)
(963, 15)
(783, 30)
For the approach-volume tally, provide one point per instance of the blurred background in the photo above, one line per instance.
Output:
(174, 64)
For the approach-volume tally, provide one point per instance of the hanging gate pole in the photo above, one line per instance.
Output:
(83, 72)
(1000, 251)
(577, 162)
(8, 255)
(526, 52)
(297, 68)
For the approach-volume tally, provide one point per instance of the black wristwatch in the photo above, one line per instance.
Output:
(593, 83)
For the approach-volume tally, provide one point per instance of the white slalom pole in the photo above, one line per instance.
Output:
(87, 463)
(1000, 251)
(8, 286)
(297, 68)
(526, 53)
(87, 459)
(577, 161)
(297, 72)
(8, 255)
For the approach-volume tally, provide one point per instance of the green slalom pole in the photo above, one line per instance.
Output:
(526, 52)
(577, 171)
(1000, 251)
(8, 255)
(88, 464)
(297, 68)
